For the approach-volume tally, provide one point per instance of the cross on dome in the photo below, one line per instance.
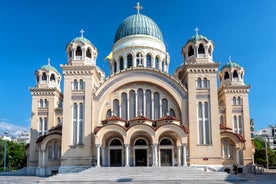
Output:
(81, 32)
(49, 61)
(196, 31)
(138, 8)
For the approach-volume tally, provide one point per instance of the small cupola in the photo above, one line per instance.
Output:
(198, 49)
(80, 51)
(48, 77)
(231, 74)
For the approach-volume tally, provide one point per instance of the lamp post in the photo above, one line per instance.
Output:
(5, 151)
(266, 156)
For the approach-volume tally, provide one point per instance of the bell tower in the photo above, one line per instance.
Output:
(234, 107)
(46, 107)
(199, 75)
(81, 78)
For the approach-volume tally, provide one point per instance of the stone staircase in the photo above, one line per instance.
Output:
(128, 174)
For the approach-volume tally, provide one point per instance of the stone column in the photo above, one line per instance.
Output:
(127, 155)
(179, 155)
(43, 158)
(155, 161)
(184, 154)
(98, 155)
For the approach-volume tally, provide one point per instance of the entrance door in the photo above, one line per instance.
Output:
(166, 157)
(116, 157)
(141, 157)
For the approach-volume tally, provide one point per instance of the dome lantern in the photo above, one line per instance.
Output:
(80, 51)
(198, 49)
(231, 74)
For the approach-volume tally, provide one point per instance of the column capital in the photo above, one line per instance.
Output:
(184, 144)
(126, 145)
(98, 145)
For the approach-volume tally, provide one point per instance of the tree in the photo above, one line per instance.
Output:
(260, 153)
(16, 155)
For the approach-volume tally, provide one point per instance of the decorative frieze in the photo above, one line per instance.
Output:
(237, 111)
(42, 113)
(77, 97)
(203, 96)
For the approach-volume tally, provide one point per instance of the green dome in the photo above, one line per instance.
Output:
(230, 64)
(138, 24)
(81, 39)
(49, 68)
(197, 37)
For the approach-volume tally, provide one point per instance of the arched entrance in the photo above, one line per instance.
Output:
(166, 152)
(115, 153)
(141, 152)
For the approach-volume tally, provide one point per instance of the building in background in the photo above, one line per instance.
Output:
(140, 115)
(269, 133)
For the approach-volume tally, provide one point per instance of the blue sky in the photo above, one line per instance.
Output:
(33, 31)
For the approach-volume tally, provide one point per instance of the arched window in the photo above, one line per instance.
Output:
(41, 103)
(156, 63)
(52, 78)
(78, 51)
(121, 63)
(75, 85)
(140, 101)
(115, 67)
(203, 123)
(172, 113)
(116, 110)
(164, 107)
(88, 53)
(40, 124)
(205, 83)
(235, 124)
(201, 49)
(108, 113)
(140, 142)
(239, 101)
(148, 61)
(129, 61)
(81, 85)
(45, 125)
(148, 104)
(132, 104)
(75, 118)
(240, 125)
(55, 150)
(45, 103)
(234, 101)
(156, 106)
(163, 66)
(50, 152)
(124, 105)
(226, 75)
(191, 51)
(227, 149)
(221, 120)
(166, 142)
(199, 83)
(235, 74)
(115, 142)
(44, 76)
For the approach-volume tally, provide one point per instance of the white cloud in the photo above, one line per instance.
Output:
(12, 129)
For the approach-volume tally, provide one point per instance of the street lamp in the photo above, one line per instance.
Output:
(266, 156)
(5, 151)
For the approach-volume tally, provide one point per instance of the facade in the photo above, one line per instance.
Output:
(140, 115)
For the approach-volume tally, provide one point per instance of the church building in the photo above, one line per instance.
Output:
(139, 115)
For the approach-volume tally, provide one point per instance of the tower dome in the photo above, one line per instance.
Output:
(231, 74)
(138, 24)
(48, 77)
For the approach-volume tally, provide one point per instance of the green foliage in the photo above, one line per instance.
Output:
(16, 155)
(260, 153)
